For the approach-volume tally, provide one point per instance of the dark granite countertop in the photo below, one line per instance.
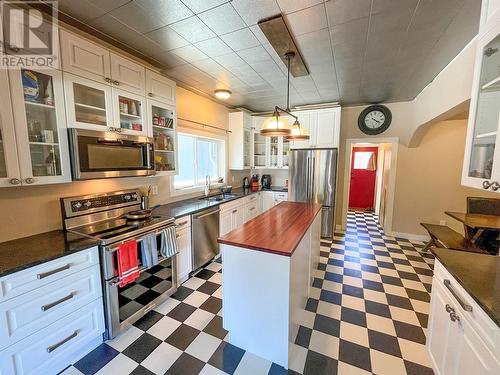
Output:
(479, 274)
(17, 255)
(193, 205)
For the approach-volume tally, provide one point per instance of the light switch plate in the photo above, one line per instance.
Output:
(154, 190)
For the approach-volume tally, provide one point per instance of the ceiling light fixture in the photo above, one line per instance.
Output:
(278, 126)
(222, 93)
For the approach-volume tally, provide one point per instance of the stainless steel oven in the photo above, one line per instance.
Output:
(96, 154)
(103, 217)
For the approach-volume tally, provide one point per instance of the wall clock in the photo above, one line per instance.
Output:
(374, 119)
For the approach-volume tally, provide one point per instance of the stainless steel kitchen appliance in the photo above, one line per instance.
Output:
(102, 217)
(312, 176)
(205, 231)
(96, 154)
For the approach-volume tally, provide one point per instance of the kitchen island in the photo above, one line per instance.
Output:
(269, 264)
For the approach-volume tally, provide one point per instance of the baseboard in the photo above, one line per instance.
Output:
(411, 236)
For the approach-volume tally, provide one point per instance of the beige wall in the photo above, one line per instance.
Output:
(34, 209)
(427, 177)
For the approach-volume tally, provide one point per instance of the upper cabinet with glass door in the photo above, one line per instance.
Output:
(164, 131)
(40, 126)
(482, 154)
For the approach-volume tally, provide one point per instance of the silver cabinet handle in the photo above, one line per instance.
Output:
(495, 186)
(207, 214)
(486, 185)
(59, 301)
(150, 94)
(13, 48)
(182, 223)
(449, 309)
(116, 83)
(454, 317)
(15, 181)
(50, 273)
(234, 211)
(51, 348)
(29, 180)
(464, 306)
(108, 80)
(253, 208)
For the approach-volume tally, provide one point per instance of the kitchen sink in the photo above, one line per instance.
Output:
(219, 197)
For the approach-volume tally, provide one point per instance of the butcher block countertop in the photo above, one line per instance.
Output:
(278, 230)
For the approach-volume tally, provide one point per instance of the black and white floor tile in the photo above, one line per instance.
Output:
(367, 315)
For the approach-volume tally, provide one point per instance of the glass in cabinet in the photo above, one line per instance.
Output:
(247, 147)
(130, 112)
(285, 149)
(484, 154)
(163, 125)
(274, 151)
(37, 98)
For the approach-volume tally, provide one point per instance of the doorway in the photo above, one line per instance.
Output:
(363, 178)
(370, 177)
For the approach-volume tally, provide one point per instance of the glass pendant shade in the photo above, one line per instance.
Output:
(297, 133)
(275, 126)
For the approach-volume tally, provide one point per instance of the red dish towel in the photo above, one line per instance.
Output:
(128, 262)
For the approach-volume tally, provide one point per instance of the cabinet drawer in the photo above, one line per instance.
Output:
(251, 210)
(251, 198)
(478, 319)
(38, 276)
(280, 196)
(55, 347)
(183, 222)
(232, 205)
(32, 311)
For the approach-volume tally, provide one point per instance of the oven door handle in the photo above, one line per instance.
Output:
(114, 247)
(109, 141)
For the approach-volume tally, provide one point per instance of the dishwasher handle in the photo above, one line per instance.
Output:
(202, 215)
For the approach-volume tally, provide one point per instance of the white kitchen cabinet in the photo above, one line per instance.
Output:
(51, 314)
(225, 222)
(460, 341)
(481, 168)
(128, 75)
(240, 138)
(88, 103)
(267, 200)
(160, 88)
(323, 126)
(280, 197)
(10, 174)
(268, 152)
(40, 126)
(129, 114)
(163, 128)
(84, 58)
(231, 216)
(184, 257)
(252, 206)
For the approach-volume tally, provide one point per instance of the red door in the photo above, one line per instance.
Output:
(363, 175)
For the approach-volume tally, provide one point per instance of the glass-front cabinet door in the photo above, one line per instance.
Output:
(9, 166)
(40, 122)
(483, 148)
(88, 103)
(285, 148)
(164, 131)
(129, 112)
(247, 147)
(259, 150)
(274, 152)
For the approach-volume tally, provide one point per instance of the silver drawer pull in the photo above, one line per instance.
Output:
(49, 273)
(253, 208)
(182, 223)
(465, 306)
(234, 211)
(59, 301)
(51, 348)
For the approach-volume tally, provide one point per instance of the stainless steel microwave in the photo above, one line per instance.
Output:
(96, 154)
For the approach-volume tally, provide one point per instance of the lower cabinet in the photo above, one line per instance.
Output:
(52, 315)
(267, 200)
(460, 341)
(184, 257)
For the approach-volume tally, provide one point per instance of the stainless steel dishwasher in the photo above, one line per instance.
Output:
(205, 231)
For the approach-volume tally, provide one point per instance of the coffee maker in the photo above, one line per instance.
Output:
(266, 181)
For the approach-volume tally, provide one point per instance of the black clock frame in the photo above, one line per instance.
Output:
(377, 107)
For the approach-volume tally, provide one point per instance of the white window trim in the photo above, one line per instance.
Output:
(175, 191)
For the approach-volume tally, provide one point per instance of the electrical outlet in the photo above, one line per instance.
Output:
(442, 222)
(154, 190)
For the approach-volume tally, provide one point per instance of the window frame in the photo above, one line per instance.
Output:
(221, 166)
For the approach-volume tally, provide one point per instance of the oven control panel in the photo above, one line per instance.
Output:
(83, 204)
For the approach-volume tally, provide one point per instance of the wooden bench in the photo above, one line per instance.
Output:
(444, 236)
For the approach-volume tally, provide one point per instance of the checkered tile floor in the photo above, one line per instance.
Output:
(367, 314)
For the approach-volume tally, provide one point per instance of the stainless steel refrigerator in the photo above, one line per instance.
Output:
(312, 175)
